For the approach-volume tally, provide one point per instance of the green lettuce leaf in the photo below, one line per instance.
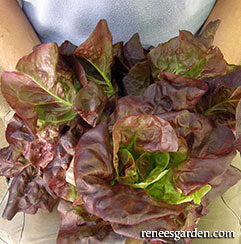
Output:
(151, 167)
(127, 169)
(142, 133)
(167, 190)
(180, 156)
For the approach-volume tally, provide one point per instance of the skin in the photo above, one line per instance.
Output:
(17, 37)
(228, 35)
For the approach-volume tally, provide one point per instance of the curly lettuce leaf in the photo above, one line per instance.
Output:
(187, 220)
(27, 193)
(55, 173)
(38, 149)
(8, 167)
(78, 226)
(143, 133)
(211, 149)
(204, 137)
(19, 137)
(172, 93)
(197, 172)
(187, 56)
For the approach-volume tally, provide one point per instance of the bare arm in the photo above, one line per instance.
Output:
(17, 38)
(228, 36)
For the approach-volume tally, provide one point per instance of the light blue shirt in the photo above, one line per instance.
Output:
(155, 20)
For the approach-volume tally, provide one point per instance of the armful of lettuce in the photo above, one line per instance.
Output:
(126, 139)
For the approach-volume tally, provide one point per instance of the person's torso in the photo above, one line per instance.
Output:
(155, 20)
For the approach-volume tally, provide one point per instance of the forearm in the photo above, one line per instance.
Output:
(17, 37)
(228, 36)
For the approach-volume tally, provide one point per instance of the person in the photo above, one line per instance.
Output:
(156, 21)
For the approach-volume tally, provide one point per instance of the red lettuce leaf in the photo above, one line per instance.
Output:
(55, 172)
(183, 222)
(211, 149)
(171, 93)
(187, 56)
(27, 193)
(238, 127)
(221, 184)
(90, 103)
(183, 92)
(204, 137)
(97, 50)
(93, 171)
(131, 70)
(38, 149)
(79, 227)
(221, 100)
(67, 48)
(138, 79)
(166, 223)
(19, 137)
(208, 33)
(67, 51)
(9, 167)
(42, 149)
(197, 172)
(55, 175)
(40, 89)
(143, 133)
(133, 51)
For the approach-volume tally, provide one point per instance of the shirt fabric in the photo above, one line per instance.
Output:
(155, 20)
